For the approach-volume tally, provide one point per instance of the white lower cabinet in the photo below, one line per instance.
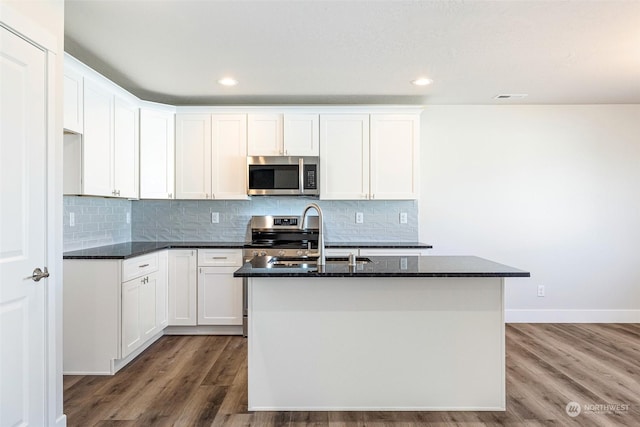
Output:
(219, 293)
(202, 289)
(182, 287)
(113, 309)
(138, 312)
(219, 296)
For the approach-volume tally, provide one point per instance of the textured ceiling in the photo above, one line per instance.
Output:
(299, 52)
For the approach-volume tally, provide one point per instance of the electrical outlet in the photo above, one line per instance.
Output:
(128, 217)
(403, 217)
(540, 290)
(215, 217)
(72, 219)
(359, 217)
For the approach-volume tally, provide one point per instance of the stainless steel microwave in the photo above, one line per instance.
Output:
(283, 176)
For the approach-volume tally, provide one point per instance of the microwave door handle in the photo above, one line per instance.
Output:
(301, 175)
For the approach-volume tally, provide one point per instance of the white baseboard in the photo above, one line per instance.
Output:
(61, 421)
(204, 330)
(572, 316)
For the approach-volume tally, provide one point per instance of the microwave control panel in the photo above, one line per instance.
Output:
(310, 177)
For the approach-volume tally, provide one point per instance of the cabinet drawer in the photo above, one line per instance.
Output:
(139, 266)
(219, 258)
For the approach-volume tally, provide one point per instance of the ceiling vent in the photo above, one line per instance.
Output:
(511, 96)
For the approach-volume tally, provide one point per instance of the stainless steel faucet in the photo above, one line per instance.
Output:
(303, 225)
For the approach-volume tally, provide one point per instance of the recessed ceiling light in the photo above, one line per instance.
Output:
(422, 81)
(511, 96)
(228, 81)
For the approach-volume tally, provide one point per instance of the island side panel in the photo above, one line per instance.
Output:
(376, 344)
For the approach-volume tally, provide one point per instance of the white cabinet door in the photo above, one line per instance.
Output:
(162, 291)
(394, 156)
(219, 296)
(302, 134)
(265, 135)
(229, 156)
(138, 312)
(131, 332)
(156, 154)
(193, 156)
(148, 305)
(73, 101)
(125, 149)
(182, 287)
(344, 154)
(98, 141)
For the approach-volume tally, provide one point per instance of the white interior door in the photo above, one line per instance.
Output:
(23, 233)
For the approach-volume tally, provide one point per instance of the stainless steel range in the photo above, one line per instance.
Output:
(281, 236)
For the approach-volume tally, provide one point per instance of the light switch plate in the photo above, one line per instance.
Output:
(215, 217)
(72, 219)
(128, 217)
(403, 217)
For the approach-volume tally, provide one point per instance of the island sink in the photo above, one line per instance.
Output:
(309, 262)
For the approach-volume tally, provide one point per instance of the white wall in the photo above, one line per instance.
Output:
(552, 189)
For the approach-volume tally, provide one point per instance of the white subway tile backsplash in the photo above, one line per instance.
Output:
(102, 221)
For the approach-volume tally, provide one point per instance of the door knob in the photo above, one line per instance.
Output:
(38, 274)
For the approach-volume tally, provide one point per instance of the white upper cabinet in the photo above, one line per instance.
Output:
(229, 156)
(394, 156)
(301, 134)
(211, 156)
(283, 135)
(344, 156)
(157, 136)
(125, 148)
(110, 143)
(193, 156)
(265, 135)
(73, 100)
(97, 153)
(371, 157)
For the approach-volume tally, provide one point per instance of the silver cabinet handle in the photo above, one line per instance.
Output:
(219, 257)
(38, 274)
(143, 266)
(171, 195)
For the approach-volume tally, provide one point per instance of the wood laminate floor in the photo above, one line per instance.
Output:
(202, 381)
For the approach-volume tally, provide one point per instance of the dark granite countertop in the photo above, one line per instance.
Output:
(377, 245)
(395, 266)
(133, 249)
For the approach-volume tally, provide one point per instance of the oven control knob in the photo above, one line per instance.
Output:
(299, 253)
(281, 253)
(263, 253)
(254, 253)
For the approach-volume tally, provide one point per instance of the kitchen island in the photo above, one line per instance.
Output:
(396, 333)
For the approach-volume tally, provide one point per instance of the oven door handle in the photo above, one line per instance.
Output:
(301, 175)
